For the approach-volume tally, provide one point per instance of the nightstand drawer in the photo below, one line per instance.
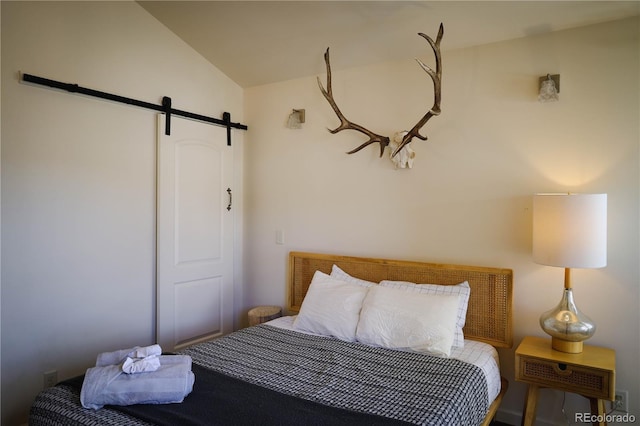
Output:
(589, 382)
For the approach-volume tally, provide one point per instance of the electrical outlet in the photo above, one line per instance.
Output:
(621, 401)
(50, 378)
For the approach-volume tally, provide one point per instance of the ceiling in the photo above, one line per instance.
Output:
(260, 42)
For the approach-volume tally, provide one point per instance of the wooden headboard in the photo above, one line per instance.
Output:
(489, 315)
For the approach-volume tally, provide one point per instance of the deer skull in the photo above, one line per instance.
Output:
(403, 158)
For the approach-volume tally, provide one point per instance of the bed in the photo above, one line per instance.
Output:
(279, 374)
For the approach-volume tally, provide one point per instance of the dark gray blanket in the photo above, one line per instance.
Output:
(269, 376)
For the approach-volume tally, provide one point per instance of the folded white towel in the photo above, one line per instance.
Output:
(118, 357)
(141, 365)
(109, 385)
(145, 351)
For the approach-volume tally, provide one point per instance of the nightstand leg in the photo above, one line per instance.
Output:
(530, 405)
(597, 409)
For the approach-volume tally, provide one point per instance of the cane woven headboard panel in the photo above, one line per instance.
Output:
(489, 315)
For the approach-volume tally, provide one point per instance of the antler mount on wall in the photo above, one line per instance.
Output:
(401, 154)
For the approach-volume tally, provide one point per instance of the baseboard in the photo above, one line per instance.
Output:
(509, 417)
(514, 418)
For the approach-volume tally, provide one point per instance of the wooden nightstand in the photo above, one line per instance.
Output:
(262, 314)
(590, 373)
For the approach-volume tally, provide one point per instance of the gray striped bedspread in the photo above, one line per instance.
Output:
(407, 386)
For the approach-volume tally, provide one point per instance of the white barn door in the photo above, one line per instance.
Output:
(194, 234)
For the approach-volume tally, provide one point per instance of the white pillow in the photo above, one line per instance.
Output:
(403, 320)
(331, 307)
(461, 289)
(339, 274)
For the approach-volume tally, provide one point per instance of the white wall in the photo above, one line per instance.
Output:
(78, 182)
(468, 198)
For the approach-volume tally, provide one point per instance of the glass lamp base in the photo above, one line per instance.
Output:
(567, 326)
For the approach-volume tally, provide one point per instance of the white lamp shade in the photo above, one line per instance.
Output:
(570, 230)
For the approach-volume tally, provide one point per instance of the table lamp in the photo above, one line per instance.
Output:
(569, 231)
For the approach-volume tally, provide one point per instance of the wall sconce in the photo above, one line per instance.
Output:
(549, 88)
(296, 118)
